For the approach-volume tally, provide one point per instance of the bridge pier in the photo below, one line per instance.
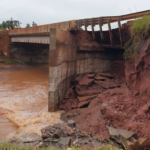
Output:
(62, 55)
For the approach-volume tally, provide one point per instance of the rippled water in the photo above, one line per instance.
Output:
(23, 102)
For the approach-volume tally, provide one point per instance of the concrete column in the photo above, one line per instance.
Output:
(62, 53)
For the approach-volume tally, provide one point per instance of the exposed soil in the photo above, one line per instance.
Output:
(102, 99)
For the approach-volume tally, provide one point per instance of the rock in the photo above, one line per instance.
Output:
(75, 114)
(130, 141)
(48, 139)
(85, 98)
(53, 132)
(85, 141)
(47, 132)
(58, 134)
(69, 115)
(98, 77)
(69, 92)
(68, 105)
(71, 123)
(64, 141)
(16, 142)
(91, 75)
(76, 141)
(143, 143)
(59, 126)
(108, 75)
(33, 143)
(57, 146)
(39, 144)
(85, 81)
(70, 149)
(115, 132)
(30, 137)
(137, 143)
(84, 103)
(94, 145)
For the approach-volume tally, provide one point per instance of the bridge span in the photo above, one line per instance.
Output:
(73, 50)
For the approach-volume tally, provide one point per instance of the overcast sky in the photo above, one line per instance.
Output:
(51, 11)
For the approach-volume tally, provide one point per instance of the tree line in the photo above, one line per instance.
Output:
(4, 25)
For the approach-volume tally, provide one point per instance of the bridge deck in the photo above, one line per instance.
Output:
(40, 34)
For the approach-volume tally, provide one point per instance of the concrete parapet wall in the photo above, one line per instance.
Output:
(65, 61)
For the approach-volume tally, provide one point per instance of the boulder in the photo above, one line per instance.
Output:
(64, 141)
(84, 103)
(93, 145)
(30, 137)
(71, 123)
(115, 132)
(47, 132)
(85, 98)
(108, 75)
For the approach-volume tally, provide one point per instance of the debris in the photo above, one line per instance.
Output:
(64, 141)
(71, 123)
(30, 137)
(116, 132)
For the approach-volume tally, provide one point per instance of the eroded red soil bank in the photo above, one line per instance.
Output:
(98, 100)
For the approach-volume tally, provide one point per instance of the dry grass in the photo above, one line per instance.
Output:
(7, 146)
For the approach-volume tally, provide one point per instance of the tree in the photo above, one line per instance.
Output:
(28, 25)
(5, 25)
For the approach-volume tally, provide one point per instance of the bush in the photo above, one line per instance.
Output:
(139, 30)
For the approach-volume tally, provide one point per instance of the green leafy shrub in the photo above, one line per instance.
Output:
(138, 30)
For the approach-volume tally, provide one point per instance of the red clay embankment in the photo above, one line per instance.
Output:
(117, 101)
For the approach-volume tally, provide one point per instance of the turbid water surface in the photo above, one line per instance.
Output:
(23, 102)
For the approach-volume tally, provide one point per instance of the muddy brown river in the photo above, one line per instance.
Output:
(23, 102)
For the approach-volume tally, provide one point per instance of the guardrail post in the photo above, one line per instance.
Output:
(100, 22)
(93, 24)
(120, 33)
(110, 32)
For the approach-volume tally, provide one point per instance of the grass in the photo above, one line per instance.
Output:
(11, 61)
(138, 30)
(6, 146)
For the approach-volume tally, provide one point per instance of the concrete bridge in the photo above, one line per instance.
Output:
(73, 50)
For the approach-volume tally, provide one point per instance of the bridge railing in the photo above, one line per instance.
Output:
(76, 24)
(100, 21)
(43, 29)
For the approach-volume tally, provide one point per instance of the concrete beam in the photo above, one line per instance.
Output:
(31, 39)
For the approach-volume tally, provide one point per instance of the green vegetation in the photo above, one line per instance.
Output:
(11, 61)
(28, 25)
(4, 25)
(139, 30)
(7, 146)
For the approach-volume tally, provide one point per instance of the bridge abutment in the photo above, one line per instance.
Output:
(4, 42)
(67, 60)
(62, 56)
